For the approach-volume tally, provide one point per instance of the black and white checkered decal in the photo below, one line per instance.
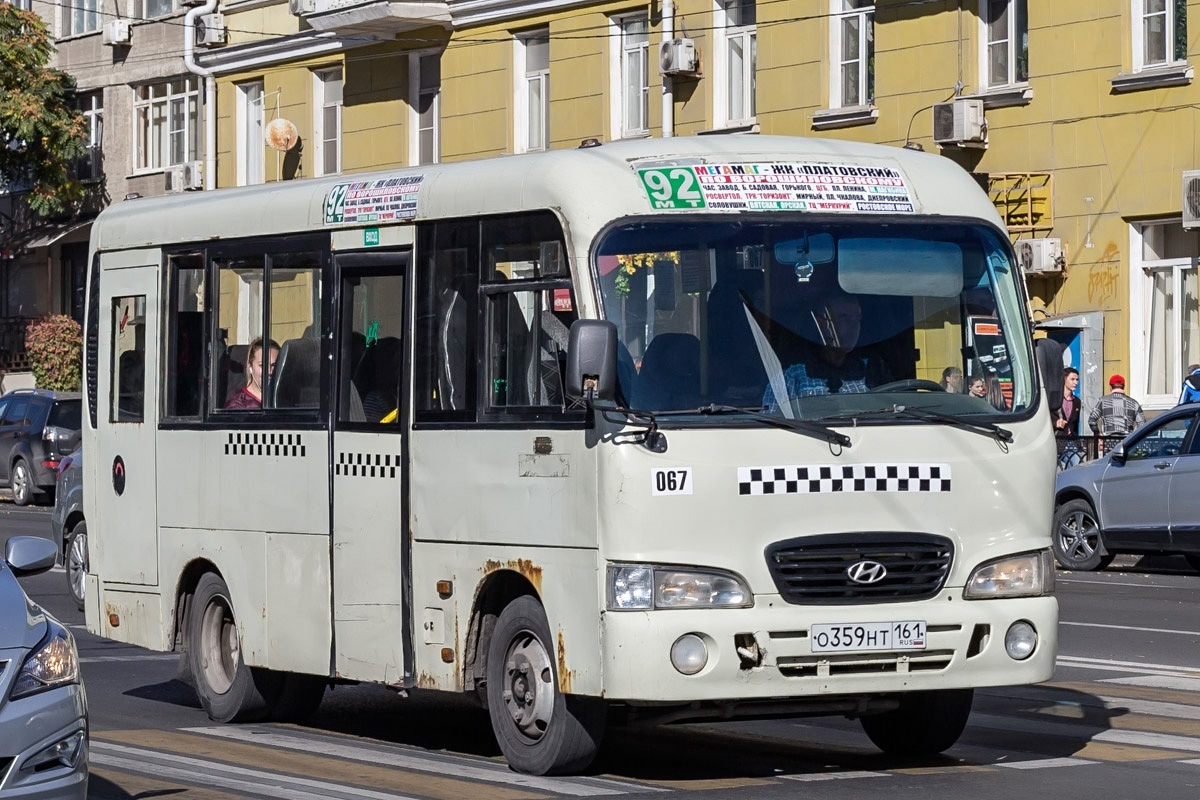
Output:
(823, 478)
(265, 444)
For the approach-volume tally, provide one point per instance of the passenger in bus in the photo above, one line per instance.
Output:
(250, 396)
(952, 380)
(836, 365)
(976, 387)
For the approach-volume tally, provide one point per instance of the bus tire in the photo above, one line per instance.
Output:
(299, 697)
(540, 730)
(228, 690)
(924, 724)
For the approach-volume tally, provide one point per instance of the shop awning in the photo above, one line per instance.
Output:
(65, 234)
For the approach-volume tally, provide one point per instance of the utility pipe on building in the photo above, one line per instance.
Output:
(668, 86)
(208, 107)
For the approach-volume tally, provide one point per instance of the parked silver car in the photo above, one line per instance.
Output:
(43, 707)
(1140, 498)
(67, 526)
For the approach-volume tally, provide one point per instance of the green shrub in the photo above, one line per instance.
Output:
(54, 345)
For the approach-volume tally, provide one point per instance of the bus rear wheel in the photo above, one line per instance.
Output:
(924, 724)
(540, 730)
(229, 690)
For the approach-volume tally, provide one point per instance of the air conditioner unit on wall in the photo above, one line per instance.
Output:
(959, 122)
(1191, 199)
(1037, 256)
(301, 7)
(117, 32)
(210, 30)
(193, 175)
(174, 178)
(678, 57)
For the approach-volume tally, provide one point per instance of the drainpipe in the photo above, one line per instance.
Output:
(668, 83)
(208, 108)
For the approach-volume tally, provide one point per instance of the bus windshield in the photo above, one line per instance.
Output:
(817, 320)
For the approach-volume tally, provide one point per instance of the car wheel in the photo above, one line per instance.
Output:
(1078, 543)
(540, 730)
(77, 563)
(229, 690)
(924, 724)
(21, 483)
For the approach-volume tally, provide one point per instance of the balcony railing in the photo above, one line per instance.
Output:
(375, 16)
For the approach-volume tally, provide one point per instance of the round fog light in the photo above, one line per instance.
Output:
(1020, 640)
(689, 654)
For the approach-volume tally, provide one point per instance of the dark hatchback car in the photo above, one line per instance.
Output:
(1143, 497)
(38, 428)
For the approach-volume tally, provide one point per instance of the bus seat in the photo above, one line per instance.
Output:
(296, 382)
(231, 376)
(670, 375)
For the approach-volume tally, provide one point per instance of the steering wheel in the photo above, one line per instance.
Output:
(910, 385)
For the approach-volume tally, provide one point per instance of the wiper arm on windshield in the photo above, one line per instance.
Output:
(810, 427)
(974, 426)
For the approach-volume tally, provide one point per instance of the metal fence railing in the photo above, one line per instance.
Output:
(1072, 452)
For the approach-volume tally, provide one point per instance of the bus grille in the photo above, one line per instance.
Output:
(814, 570)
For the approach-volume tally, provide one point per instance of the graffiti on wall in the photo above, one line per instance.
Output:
(1104, 275)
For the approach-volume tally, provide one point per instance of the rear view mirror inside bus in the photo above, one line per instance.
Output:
(901, 267)
(814, 249)
(592, 360)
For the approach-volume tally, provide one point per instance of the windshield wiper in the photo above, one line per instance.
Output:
(910, 412)
(653, 439)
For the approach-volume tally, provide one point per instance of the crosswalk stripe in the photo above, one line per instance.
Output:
(1158, 682)
(463, 767)
(1047, 763)
(1130, 691)
(836, 776)
(1075, 731)
(122, 784)
(227, 776)
(1111, 665)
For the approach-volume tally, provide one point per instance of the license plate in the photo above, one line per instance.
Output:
(907, 635)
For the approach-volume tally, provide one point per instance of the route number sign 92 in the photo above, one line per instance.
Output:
(672, 187)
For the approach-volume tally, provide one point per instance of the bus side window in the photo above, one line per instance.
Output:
(186, 338)
(447, 304)
(128, 359)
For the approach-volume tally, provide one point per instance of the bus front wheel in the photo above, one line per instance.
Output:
(924, 724)
(540, 730)
(229, 690)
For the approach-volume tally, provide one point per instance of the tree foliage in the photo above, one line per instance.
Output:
(55, 348)
(40, 134)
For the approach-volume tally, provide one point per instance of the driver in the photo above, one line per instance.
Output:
(836, 365)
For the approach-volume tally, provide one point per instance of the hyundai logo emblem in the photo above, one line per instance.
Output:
(866, 572)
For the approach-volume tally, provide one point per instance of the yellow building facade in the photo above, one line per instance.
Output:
(1079, 116)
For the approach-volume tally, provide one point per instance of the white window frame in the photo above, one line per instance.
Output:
(415, 95)
(88, 12)
(91, 106)
(162, 96)
(1012, 41)
(524, 78)
(24, 5)
(723, 33)
(1138, 16)
(320, 78)
(837, 17)
(162, 8)
(625, 55)
(1141, 301)
(251, 121)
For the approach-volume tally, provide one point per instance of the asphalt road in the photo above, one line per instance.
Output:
(1120, 719)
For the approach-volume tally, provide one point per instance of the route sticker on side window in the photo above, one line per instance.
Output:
(672, 480)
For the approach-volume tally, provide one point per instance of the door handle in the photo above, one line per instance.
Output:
(1163, 465)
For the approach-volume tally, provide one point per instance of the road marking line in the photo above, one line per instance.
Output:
(1128, 666)
(1046, 763)
(1129, 628)
(1116, 583)
(1152, 708)
(836, 776)
(1086, 731)
(1159, 682)
(118, 659)
(467, 768)
(212, 773)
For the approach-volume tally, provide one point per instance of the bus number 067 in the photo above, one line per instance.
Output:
(671, 481)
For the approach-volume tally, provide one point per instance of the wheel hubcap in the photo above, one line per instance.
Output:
(1078, 536)
(219, 646)
(529, 685)
(20, 481)
(77, 563)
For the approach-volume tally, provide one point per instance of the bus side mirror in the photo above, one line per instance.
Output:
(592, 360)
(1049, 357)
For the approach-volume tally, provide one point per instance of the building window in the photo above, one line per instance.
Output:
(533, 91)
(852, 47)
(425, 99)
(90, 166)
(1159, 33)
(1006, 42)
(736, 36)
(24, 5)
(250, 133)
(327, 122)
(631, 85)
(167, 121)
(1168, 338)
(148, 9)
(80, 16)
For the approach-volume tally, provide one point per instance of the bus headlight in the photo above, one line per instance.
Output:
(643, 586)
(1024, 575)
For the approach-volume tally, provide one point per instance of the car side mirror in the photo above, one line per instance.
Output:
(1118, 454)
(592, 360)
(30, 555)
(1049, 357)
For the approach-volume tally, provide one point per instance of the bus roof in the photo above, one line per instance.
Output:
(590, 185)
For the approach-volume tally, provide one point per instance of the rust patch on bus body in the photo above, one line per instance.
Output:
(425, 681)
(532, 572)
(564, 675)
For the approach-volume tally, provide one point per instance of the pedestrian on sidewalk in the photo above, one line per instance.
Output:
(1191, 386)
(1116, 414)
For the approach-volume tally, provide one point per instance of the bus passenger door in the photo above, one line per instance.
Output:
(370, 549)
(126, 401)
